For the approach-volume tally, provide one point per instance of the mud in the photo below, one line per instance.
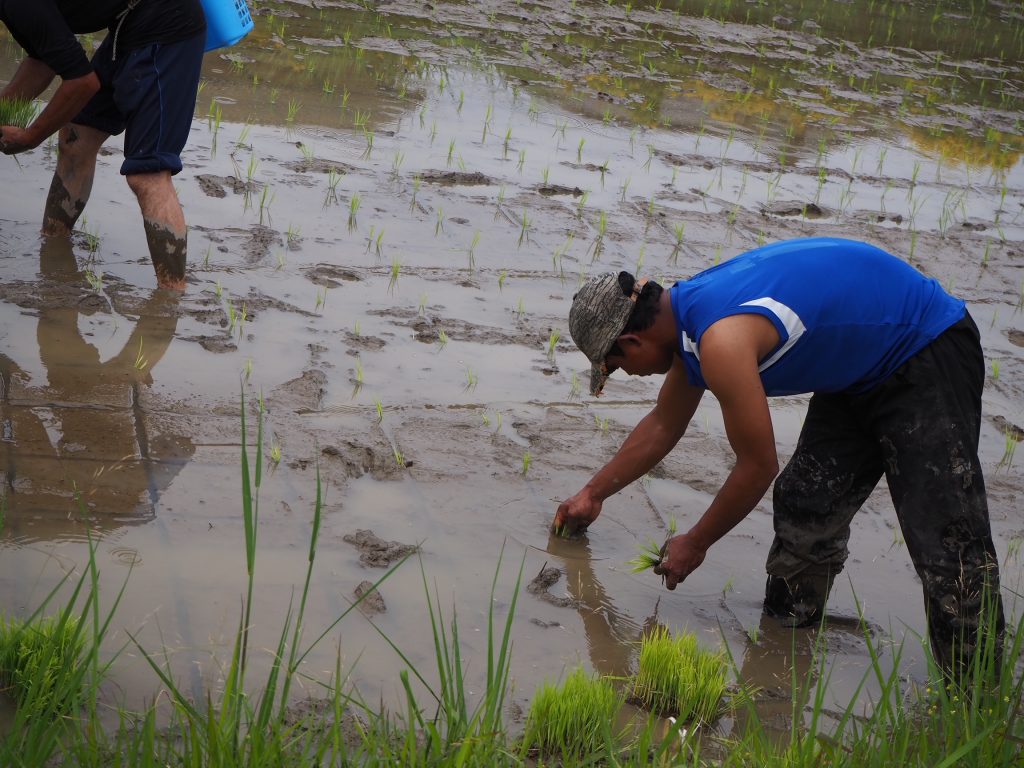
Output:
(481, 176)
(371, 602)
(375, 552)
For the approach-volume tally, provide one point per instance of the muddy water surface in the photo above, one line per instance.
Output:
(390, 209)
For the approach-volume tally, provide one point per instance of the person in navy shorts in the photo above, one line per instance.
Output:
(896, 371)
(142, 80)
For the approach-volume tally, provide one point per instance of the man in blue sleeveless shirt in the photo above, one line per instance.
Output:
(896, 368)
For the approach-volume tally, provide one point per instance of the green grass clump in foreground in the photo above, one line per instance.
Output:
(677, 677)
(17, 112)
(35, 656)
(574, 719)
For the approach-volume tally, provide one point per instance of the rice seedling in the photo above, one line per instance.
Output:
(396, 164)
(501, 279)
(331, 196)
(353, 208)
(471, 251)
(471, 379)
(417, 181)
(17, 112)
(399, 458)
(379, 407)
(368, 136)
(995, 370)
(574, 387)
(321, 298)
(581, 203)
(1011, 438)
(487, 123)
(573, 720)
(141, 361)
(442, 340)
(247, 369)
(275, 454)
(95, 280)
(677, 677)
(451, 153)
(293, 236)
(552, 343)
(524, 228)
(359, 369)
(293, 110)
(527, 460)
(579, 150)
(396, 268)
(267, 198)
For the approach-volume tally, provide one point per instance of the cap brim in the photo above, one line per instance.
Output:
(597, 380)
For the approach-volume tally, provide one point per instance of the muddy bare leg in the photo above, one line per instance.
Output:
(165, 226)
(77, 146)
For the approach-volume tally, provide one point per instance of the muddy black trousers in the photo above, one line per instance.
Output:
(919, 428)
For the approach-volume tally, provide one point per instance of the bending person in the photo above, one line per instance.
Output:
(142, 80)
(896, 368)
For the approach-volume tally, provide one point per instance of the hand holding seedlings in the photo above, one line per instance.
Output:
(680, 556)
(14, 140)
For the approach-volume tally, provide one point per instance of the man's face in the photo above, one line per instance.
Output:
(640, 357)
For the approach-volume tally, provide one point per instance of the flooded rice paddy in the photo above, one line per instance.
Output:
(390, 207)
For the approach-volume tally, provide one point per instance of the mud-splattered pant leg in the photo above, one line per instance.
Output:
(923, 424)
(928, 420)
(836, 465)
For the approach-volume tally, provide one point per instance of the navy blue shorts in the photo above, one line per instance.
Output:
(150, 93)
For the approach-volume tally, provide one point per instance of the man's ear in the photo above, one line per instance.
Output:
(629, 340)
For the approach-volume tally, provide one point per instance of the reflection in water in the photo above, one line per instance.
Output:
(610, 634)
(82, 443)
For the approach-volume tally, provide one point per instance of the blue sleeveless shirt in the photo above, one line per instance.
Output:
(848, 314)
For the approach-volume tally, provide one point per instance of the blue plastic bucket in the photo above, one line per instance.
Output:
(227, 22)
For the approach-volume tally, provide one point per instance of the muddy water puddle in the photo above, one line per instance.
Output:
(389, 212)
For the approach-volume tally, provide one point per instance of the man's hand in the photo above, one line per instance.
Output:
(680, 556)
(14, 140)
(576, 513)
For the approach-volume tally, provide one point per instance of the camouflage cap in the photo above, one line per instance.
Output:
(598, 315)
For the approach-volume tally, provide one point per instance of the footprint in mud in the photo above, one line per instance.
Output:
(1016, 337)
(374, 551)
(543, 581)
(456, 178)
(794, 208)
(331, 276)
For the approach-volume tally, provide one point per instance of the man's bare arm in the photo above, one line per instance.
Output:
(730, 351)
(648, 443)
(31, 79)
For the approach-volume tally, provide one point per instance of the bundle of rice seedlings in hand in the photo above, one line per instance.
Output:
(17, 112)
(677, 677)
(649, 554)
(574, 719)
